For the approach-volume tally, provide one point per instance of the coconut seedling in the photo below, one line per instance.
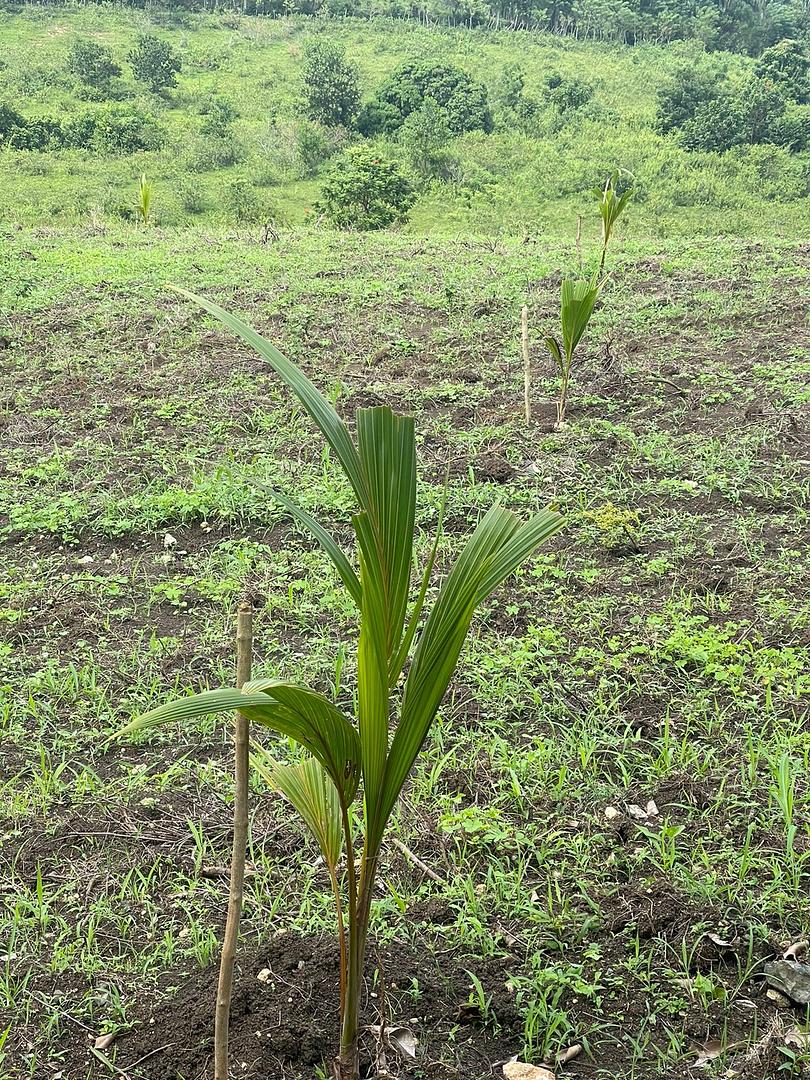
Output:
(145, 192)
(375, 749)
(578, 296)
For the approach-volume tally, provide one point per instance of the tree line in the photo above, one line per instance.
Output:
(747, 26)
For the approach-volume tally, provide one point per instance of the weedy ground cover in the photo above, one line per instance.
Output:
(613, 801)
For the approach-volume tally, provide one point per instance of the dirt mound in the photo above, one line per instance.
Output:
(284, 1015)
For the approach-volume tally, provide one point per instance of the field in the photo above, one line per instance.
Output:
(658, 652)
(606, 837)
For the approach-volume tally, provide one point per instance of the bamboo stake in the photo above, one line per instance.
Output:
(527, 367)
(244, 657)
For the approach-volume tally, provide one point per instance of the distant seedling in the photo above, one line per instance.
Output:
(579, 295)
(145, 192)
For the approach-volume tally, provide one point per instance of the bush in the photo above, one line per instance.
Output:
(92, 64)
(510, 96)
(424, 136)
(154, 62)
(218, 117)
(211, 152)
(241, 203)
(21, 133)
(463, 100)
(751, 114)
(689, 89)
(331, 85)
(116, 129)
(787, 65)
(568, 93)
(365, 191)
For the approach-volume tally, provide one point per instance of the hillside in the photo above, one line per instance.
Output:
(534, 180)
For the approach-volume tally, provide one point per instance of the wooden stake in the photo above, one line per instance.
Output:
(527, 367)
(244, 658)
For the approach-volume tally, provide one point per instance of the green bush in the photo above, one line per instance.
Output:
(218, 117)
(207, 153)
(787, 66)
(113, 129)
(463, 100)
(365, 191)
(241, 203)
(331, 84)
(154, 62)
(92, 64)
(424, 137)
(17, 131)
(567, 93)
(753, 113)
(688, 89)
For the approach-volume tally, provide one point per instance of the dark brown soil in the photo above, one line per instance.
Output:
(284, 1016)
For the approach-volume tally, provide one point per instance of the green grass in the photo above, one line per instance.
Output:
(509, 182)
(604, 678)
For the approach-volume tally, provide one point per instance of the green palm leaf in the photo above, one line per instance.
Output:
(496, 548)
(312, 793)
(577, 303)
(301, 714)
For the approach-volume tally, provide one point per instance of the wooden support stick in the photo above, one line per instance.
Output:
(527, 367)
(244, 658)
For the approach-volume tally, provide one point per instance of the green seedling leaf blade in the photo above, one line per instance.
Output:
(497, 546)
(322, 413)
(554, 349)
(578, 299)
(301, 714)
(385, 538)
(309, 788)
(329, 545)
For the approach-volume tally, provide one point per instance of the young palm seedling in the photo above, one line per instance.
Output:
(394, 714)
(145, 192)
(578, 296)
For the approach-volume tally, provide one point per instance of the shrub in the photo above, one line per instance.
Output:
(212, 152)
(331, 85)
(365, 191)
(218, 117)
(241, 202)
(787, 66)
(115, 129)
(17, 131)
(511, 98)
(92, 64)
(463, 100)
(688, 90)
(154, 62)
(424, 136)
(568, 93)
(314, 145)
(751, 114)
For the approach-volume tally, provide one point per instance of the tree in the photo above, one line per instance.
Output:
(365, 191)
(331, 85)
(689, 89)
(155, 62)
(424, 135)
(462, 98)
(787, 65)
(92, 64)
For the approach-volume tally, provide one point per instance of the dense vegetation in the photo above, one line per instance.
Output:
(739, 25)
(242, 120)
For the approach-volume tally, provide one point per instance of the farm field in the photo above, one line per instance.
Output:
(654, 656)
(604, 844)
